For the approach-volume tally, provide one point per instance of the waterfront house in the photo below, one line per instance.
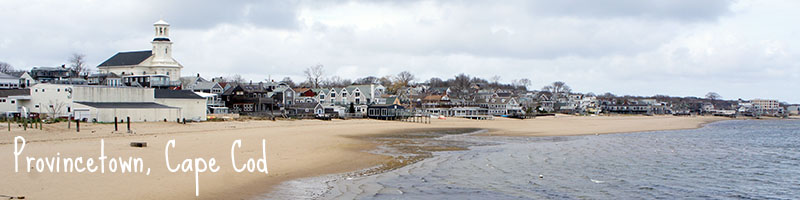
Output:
(248, 99)
(386, 111)
(107, 79)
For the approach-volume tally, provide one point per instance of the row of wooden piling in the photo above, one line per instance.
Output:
(27, 123)
(36, 123)
(416, 119)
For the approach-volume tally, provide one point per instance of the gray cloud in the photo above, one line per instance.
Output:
(679, 10)
(208, 13)
(740, 48)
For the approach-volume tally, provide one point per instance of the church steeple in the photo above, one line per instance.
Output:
(162, 29)
(162, 46)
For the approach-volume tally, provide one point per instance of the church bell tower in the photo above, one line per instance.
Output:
(162, 46)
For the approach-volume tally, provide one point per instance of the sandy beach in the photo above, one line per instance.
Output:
(294, 149)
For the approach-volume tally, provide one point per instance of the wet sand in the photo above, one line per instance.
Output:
(294, 149)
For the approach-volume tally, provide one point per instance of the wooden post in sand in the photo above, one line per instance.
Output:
(78, 125)
(9, 124)
(41, 125)
(115, 124)
(25, 124)
(129, 124)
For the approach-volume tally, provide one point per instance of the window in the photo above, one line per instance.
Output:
(58, 90)
(36, 90)
(12, 101)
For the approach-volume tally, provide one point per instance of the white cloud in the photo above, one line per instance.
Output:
(738, 48)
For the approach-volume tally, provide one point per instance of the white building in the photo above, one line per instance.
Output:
(8, 81)
(103, 103)
(765, 104)
(157, 61)
(192, 106)
(9, 100)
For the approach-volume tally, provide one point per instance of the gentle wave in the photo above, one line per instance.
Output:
(724, 160)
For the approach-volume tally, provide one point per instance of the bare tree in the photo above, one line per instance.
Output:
(525, 82)
(236, 78)
(558, 88)
(6, 68)
(55, 108)
(367, 80)
(404, 78)
(713, 96)
(608, 95)
(435, 82)
(78, 64)
(386, 81)
(314, 75)
(288, 81)
(336, 81)
(462, 81)
(495, 80)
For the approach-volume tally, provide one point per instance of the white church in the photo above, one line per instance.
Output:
(150, 68)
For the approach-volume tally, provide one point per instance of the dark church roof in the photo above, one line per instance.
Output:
(127, 58)
(176, 94)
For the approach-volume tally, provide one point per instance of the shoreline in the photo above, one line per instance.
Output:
(295, 150)
(322, 186)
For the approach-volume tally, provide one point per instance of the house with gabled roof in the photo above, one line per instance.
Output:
(199, 84)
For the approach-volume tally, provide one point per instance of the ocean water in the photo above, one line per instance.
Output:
(743, 159)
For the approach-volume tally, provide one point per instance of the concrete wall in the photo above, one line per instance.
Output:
(136, 115)
(112, 94)
(191, 109)
(58, 100)
(8, 105)
(50, 99)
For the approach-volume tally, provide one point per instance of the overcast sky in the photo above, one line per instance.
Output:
(740, 49)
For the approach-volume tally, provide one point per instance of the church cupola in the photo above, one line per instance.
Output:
(162, 46)
(162, 29)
